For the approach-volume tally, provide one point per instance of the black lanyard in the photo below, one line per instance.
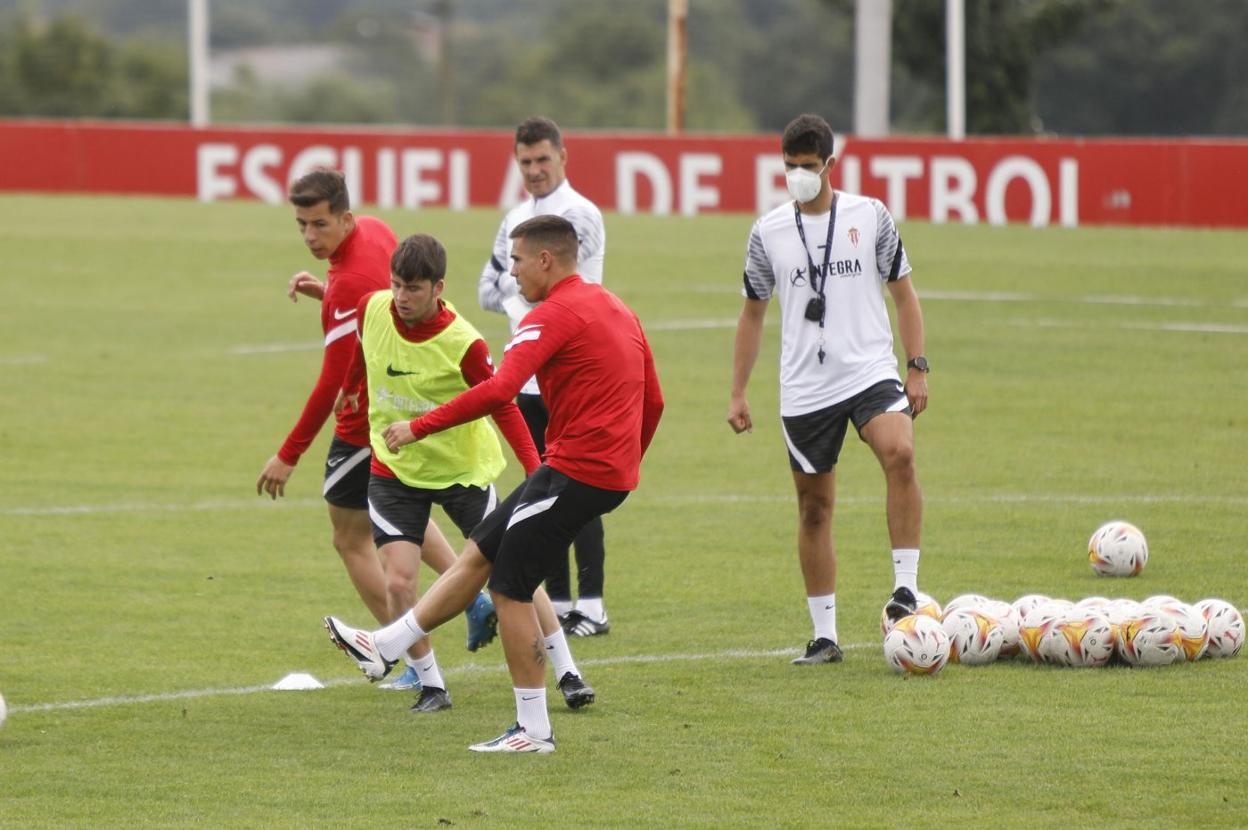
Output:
(818, 279)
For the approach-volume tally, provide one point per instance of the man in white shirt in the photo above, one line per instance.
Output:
(825, 256)
(542, 158)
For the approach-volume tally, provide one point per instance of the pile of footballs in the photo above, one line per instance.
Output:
(975, 630)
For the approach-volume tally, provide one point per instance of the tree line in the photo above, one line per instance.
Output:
(1071, 67)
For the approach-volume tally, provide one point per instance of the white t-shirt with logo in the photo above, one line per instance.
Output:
(856, 337)
(497, 289)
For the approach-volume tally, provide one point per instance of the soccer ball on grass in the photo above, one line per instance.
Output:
(917, 644)
(1226, 627)
(1117, 549)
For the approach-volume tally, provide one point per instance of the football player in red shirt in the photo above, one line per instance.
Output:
(358, 249)
(597, 376)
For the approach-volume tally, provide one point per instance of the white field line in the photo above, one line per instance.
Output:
(22, 359)
(1183, 327)
(275, 348)
(651, 501)
(701, 324)
(470, 668)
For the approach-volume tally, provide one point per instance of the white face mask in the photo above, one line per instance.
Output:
(803, 184)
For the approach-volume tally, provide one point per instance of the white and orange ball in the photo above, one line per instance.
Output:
(1225, 626)
(925, 606)
(1193, 628)
(1081, 638)
(1025, 603)
(963, 601)
(1150, 638)
(917, 644)
(1035, 626)
(975, 637)
(1117, 549)
(1007, 617)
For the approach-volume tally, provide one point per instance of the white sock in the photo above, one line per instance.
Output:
(428, 672)
(410, 661)
(398, 636)
(562, 607)
(592, 608)
(559, 655)
(531, 712)
(906, 569)
(823, 615)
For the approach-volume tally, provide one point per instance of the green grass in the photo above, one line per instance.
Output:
(135, 559)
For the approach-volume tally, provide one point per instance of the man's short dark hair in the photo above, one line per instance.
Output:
(538, 129)
(807, 134)
(419, 257)
(321, 185)
(551, 233)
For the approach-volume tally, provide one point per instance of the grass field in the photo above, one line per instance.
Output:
(151, 363)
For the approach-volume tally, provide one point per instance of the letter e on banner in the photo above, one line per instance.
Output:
(211, 184)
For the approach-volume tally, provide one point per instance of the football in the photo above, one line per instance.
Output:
(1081, 638)
(917, 644)
(1193, 628)
(964, 601)
(975, 637)
(1007, 617)
(1150, 639)
(1226, 627)
(1024, 604)
(1117, 549)
(1035, 626)
(925, 606)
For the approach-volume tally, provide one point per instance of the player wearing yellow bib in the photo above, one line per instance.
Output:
(417, 354)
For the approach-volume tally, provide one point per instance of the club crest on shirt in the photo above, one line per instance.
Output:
(853, 237)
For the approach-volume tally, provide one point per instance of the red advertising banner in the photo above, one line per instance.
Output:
(995, 181)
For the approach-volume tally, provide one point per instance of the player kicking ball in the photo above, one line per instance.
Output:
(596, 373)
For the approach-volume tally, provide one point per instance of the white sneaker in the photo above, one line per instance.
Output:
(360, 647)
(515, 739)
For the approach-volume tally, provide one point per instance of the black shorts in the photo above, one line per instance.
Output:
(401, 513)
(346, 475)
(529, 533)
(815, 439)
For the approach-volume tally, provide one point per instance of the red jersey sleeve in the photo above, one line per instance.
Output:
(538, 337)
(320, 403)
(477, 369)
(652, 401)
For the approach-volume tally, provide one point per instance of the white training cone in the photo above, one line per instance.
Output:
(297, 682)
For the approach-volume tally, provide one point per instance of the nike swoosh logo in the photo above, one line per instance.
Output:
(395, 373)
(334, 462)
(535, 697)
(339, 314)
(828, 607)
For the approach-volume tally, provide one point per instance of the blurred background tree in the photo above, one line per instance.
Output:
(1075, 67)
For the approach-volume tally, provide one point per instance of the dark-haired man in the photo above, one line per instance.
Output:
(597, 376)
(542, 160)
(416, 353)
(358, 250)
(824, 256)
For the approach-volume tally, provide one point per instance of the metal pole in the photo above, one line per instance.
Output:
(197, 34)
(677, 55)
(873, 38)
(446, 81)
(955, 69)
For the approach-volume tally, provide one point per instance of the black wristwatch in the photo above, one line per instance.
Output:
(919, 363)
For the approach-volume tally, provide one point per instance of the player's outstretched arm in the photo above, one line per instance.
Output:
(305, 284)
